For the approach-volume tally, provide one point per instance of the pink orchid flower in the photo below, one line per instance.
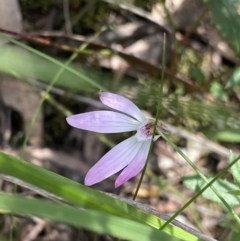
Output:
(131, 154)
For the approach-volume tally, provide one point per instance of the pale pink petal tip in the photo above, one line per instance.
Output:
(114, 161)
(136, 165)
(88, 182)
(121, 104)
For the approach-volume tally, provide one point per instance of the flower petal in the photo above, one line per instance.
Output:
(136, 165)
(115, 160)
(122, 104)
(103, 122)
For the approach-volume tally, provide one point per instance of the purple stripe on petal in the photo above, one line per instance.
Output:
(122, 104)
(115, 160)
(136, 165)
(103, 122)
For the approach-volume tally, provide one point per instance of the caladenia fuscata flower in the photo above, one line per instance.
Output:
(131, 154)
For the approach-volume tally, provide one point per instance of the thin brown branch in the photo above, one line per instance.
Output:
(136, 63)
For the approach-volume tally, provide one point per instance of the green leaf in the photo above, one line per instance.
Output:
(235, 169)
(226, 135)
(74, 77)
(195, 183)
(86, 218)
(227, 20)
(27, 56)
(217, 91)
(196, 74)
(234, 79)
(81, 195)
(33, 64)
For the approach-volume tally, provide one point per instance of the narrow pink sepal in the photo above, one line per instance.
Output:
(122, 104)
(136, 165)
(115, 160)
(103, 122)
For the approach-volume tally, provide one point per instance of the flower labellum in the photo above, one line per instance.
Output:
(131, 154)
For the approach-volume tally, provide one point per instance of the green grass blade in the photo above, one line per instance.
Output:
(89, 219)
(81, 195)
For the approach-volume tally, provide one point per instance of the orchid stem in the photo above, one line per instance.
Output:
(157, 115)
